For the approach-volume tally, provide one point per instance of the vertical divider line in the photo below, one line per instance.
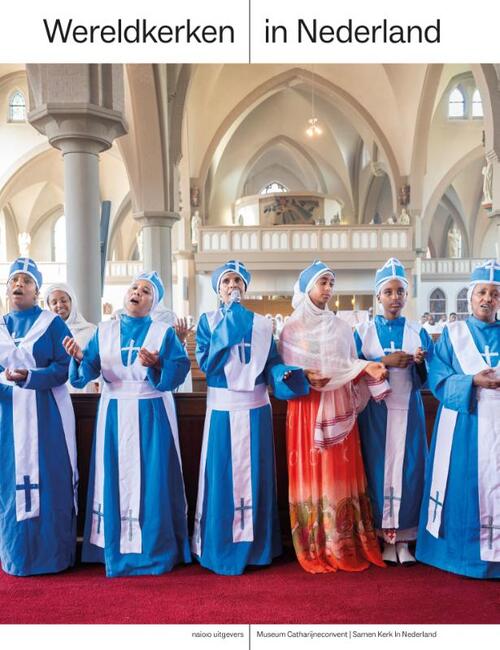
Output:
(249, 31)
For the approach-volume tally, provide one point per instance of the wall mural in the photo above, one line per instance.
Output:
(290, 210)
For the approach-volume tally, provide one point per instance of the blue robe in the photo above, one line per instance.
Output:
(218, 551)
(165, 540)
(457, 548)
(44, 544)
(372, 426)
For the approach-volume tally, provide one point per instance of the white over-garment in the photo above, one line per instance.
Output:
(128, 385)
(241, 396)
(488, 442)
(315, 339)
(25, 418)
(398, 404)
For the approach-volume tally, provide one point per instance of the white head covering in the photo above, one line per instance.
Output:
(391, 270)
(307, 279)
(315, 339)
(486, 273)
(156, 284)
(81, 329)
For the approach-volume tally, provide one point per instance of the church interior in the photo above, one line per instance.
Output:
(273, 164)
(106, 170)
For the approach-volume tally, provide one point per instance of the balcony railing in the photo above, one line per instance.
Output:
(116, 272)
(215, 239)
(449, 266)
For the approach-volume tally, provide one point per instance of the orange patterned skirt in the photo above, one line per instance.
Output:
(330, 512)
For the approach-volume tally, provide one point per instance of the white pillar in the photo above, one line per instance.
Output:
(79, 108)
(82, 212)
(157, 246)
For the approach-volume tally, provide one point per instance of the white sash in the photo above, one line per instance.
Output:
(488, 442)
(126, 384)
(397, 403)
(238, 402)
(241, 376)
(25, 419)
(196, 540)
(239, 405)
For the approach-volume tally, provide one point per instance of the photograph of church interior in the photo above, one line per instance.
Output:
(107, 171)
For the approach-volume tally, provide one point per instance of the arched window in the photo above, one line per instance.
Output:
(17, 107)
(477, 104)
(273, 187)
(462, 304)
(437, 304)
(59, 240)
(456, 103)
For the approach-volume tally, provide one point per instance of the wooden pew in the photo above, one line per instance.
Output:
(191, 414)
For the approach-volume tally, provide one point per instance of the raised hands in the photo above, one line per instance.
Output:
(72, 348)
(182, 329)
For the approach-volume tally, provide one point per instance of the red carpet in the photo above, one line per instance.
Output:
(282, 593)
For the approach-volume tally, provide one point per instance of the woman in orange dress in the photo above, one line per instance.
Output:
(330, 512)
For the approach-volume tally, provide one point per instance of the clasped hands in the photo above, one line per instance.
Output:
(146, 358)
(16, 374)
(487, 379)
(401, 359)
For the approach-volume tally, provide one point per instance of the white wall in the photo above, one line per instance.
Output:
(451, 290)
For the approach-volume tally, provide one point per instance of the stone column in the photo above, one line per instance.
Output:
(157, 246)
(80, 110)
(186, 276)
(82, 210)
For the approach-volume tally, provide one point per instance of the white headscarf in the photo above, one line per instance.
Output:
(316, 339)
(80, 328)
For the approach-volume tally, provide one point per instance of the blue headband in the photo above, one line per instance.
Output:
(233, 266)
(486, 273)
(28, 266)
(392, 270)
(158, 289)
(309, 275)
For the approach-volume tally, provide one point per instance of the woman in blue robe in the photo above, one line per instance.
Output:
(136, 508)
(236, 521)
(393, 435)
(459, 528)
(38, 476)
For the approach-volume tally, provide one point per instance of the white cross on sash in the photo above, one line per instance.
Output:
(488, 442)
(398, 404)
(127, 384)
(240, 375)
(488, 355)
(25, 419)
